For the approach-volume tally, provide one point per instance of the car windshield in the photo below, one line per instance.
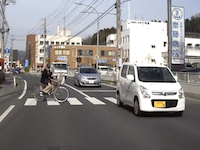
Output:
(87, 70)
(60, 66)
(155, 74)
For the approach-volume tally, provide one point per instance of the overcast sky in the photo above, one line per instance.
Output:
(26, 16)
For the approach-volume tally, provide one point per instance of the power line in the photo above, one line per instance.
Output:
(66, 6)
(91, 24)
(93, 3)
(85, 16)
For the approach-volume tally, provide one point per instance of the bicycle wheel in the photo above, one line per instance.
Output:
(61, 94)
(38, 94)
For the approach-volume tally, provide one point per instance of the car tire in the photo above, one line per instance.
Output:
(119, 102)
(136, 108)
(179, 114)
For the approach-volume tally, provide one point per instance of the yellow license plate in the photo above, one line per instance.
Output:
(159, 104)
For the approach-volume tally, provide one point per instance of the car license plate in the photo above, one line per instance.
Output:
(91, 81)
(159, 104)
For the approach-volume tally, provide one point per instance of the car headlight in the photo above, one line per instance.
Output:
(145, 92)
(181, 93)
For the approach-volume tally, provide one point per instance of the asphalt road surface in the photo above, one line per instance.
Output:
(90, 120)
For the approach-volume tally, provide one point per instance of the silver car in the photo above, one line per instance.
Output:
(87, 76)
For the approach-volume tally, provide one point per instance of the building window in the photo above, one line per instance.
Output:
(67, 43)
(78, 43)
(41, 58)
(189, 45)
(66, 52)
(128, 38)
(41, 36)
(62, 43)
(52, 42)
(103, 53)
(111, 53)
(58, 52)
(165, 44)
(41, 43)
(73, 43)
(47, 42)
(153, 46)
(85, 52)
(41, 50)
(57, 43)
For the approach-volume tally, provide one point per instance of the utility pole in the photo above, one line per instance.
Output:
(118, 48)
(2, 27)
(64, 27)
(44, 42)
(11, 52)
(169, 27)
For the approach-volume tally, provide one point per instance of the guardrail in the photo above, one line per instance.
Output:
(188, 77)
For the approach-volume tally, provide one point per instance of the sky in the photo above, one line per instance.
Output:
(27, 16)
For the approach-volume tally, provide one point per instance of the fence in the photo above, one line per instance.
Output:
(188, 77)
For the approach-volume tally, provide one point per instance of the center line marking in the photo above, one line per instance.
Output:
(6, 112)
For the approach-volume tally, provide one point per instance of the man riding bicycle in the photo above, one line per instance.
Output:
(46, 78)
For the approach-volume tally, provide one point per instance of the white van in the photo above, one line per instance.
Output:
(149, 88)
(59, 68)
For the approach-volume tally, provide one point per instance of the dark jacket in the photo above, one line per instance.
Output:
(46, 76)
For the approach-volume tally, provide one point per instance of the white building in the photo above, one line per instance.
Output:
(63, 37)
(145, 41)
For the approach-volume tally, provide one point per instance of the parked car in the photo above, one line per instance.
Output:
(16, 70)
(149, 88)
(87, 76)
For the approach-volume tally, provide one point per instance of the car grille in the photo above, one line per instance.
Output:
(169, 103)
(164, 93)
(91, 78)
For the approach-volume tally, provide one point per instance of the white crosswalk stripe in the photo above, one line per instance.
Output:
(72, 101)
(111, 99)
(52, 102)
(95, 101)
(30, 102)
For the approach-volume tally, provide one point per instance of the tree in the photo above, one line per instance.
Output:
(193, 24)
(92, 40)
(87, 40)
(148, 57)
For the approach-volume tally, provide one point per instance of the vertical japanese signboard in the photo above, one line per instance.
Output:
(178, 35)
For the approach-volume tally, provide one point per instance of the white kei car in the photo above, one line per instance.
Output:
(150, 88)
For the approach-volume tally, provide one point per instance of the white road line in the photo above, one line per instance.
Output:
(24, 91)
(74, 101)
(52, 102)
(111, 99)
(104, 91)
(6, 112)
(30, 102)
(77, 91)
(95, 101)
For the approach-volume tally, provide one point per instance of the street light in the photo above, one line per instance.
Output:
(97, 48)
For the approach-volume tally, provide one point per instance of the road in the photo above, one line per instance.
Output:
(90, 120)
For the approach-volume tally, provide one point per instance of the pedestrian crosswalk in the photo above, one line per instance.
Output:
(71, 101)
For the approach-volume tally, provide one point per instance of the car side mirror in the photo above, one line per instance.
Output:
(176, 78)
(130, 77)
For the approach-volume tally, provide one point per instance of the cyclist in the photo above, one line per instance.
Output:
(45, 79)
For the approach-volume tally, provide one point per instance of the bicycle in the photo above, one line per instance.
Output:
(56, 87)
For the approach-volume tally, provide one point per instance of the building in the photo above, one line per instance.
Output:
(35, 45)
(87, 53)
(21, 57)
(145, 41)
